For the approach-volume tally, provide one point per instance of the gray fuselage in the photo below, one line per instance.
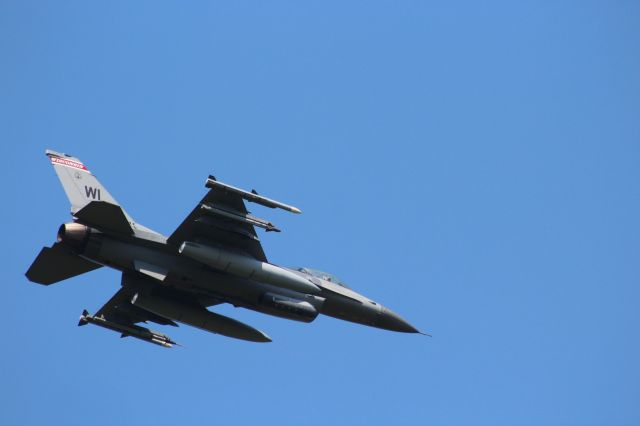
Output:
(142, 251)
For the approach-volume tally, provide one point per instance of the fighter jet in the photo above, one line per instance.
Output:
(213, 257)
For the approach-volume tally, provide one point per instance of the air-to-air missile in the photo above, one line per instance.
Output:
(252, 196)
(128, 330)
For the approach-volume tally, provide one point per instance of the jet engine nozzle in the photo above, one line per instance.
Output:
(73, 235)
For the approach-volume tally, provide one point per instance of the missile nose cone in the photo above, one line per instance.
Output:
(389, 320)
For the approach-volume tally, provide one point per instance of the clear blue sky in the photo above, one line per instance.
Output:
(472, 165)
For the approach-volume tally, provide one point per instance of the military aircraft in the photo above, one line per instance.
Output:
(213, 257)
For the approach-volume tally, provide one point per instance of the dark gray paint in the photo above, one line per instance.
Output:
(211, 258)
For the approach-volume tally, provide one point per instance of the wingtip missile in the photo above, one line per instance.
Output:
(126, 330)
(252, 195)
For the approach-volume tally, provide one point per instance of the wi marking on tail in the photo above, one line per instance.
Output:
(92, 192)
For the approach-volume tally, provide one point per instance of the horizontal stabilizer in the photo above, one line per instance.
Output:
(55, 264)
(197, 316)
(103, 215)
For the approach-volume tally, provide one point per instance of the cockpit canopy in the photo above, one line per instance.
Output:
(323, 276)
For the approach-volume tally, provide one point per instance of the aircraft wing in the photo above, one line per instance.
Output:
(222, 217)
(120, 310)
(139, 296)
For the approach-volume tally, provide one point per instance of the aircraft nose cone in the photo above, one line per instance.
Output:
(389, 320)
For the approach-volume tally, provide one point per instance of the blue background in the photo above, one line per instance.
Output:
(471, 165)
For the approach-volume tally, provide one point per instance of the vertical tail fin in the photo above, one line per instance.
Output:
(80, 185)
